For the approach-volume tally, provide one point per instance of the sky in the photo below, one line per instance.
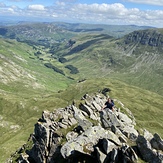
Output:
(112, 12)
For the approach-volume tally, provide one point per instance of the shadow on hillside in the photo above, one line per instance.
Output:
(88, 43)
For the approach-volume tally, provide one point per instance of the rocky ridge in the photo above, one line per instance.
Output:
(84, 133)
(152, 38)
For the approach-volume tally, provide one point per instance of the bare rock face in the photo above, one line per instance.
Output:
(146, 37)
(150, 147)
(87, 134)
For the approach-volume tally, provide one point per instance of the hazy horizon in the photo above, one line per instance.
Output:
(123, 12)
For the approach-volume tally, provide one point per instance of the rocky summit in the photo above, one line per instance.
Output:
(84, 133)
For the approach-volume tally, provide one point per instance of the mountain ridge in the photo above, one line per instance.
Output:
(85, 132)
(57, 32)
(101, 63)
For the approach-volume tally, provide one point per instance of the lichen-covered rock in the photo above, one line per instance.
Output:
(130, 132)
(87, 134)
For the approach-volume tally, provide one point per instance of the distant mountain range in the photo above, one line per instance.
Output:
(49, 32)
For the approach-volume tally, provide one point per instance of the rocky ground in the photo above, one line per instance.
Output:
(85, 134)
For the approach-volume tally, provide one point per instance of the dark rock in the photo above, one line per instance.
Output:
(145, 37)
(147, 153)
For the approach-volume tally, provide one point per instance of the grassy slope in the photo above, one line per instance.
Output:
(146, 107)
(19, 64)
(22, 101)
(99, 56)
(26, 88)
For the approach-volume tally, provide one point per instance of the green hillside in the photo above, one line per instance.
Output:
(94, 55)
(27, 87)
(36, 78)
(136, 99)
(48, 33)
(19, 65)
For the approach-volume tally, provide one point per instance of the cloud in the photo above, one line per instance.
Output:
(101, 8)
(11, 10)
(104, 13)
(153, 2)
(36, 7)
(116, 13)
(2, 4)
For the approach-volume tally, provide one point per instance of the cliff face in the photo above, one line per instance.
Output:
(146, 37)
(87, 134)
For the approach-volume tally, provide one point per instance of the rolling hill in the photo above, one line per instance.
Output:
(135, 59)
(48, 33)
(40, 77)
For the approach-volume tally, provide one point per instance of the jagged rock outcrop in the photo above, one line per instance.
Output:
(146, 37)
(87, 134)
(150, 147)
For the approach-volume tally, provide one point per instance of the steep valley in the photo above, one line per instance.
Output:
(40, 77)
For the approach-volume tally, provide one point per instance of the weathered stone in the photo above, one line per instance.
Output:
(88, 110)
(78, 114)
(108, 146)
(65, 116)
(85, 124)
(89, 104)
(114, 156)
(109, 119)
(157, 142)
(129, 154)
(124, 118)
(121, 136)
(46, 116)
(113, 118)
(72, 120)
(92, 135)
(55, 125)
(85, 114)
(65, 122)
(122, 139)
(99, 100)
(113, 137)
(69, 147)
(85, 96)
(88, 143)
(41, 132)
(130, 132)
(52, 127)
(88, 148)
(147, 135)
(146, 151)
(145, 38)
(24, 158)
(100, 155)
(96, 106)
(62, 125)
(71, 135)
(106, 123)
